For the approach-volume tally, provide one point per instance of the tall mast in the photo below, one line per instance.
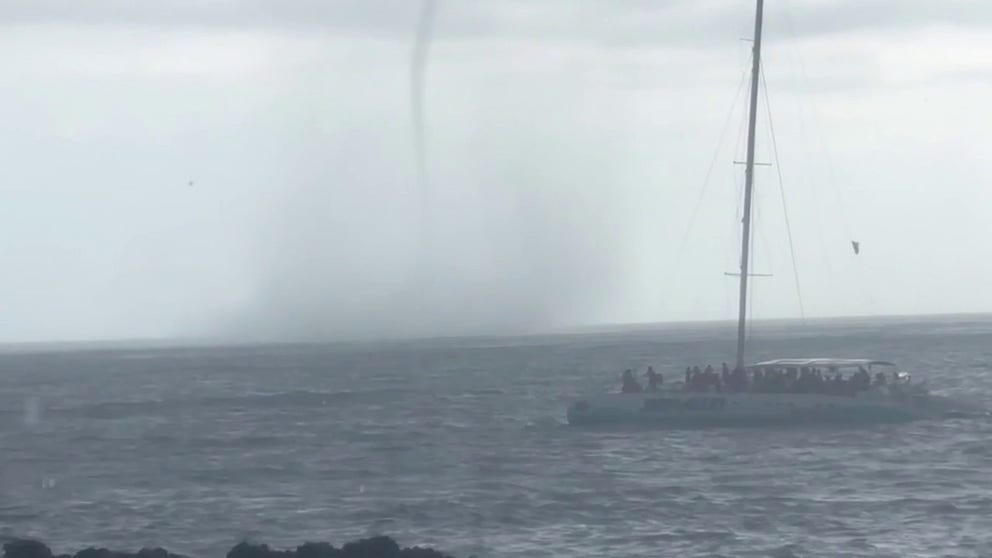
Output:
(749, 183)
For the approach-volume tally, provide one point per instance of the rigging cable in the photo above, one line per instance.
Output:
(733, 252)
(831, 180)
(785, 207)
(702, 192)
(831, 177)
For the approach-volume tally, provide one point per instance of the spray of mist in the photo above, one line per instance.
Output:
(517, 237)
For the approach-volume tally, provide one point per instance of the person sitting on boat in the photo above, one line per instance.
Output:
(757, 380)
(696, 382)
(711, 379)
(898, 387)
(819, 381)
(860, 381)
(736, 380)
(835, 385)
(879, 379)
(630, 385)
(702, 379)
(694, 376)
(783, 380)
(654, 379)
(850, 386)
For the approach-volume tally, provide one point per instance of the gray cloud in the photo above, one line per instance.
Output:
(595, 21)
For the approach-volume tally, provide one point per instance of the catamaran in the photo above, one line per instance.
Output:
(777, 392)
(783, 391)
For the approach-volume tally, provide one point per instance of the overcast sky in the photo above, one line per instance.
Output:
(567, 141)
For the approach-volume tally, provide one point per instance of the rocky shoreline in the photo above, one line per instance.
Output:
(374, 547)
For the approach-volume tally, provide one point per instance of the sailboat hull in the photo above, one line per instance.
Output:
(686, 409)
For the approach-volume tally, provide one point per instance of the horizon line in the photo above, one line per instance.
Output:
(177, 342)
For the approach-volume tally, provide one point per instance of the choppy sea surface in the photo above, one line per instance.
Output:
(462, 444)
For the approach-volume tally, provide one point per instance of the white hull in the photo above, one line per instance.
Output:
(679, 408)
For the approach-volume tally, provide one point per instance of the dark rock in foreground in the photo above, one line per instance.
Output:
(374, 547)
(22, 548)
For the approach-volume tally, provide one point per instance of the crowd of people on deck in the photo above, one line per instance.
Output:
(811, 380)
(630, 384)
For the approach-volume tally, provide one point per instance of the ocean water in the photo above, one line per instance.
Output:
(462, 444)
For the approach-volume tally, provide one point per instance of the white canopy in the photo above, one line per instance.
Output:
(821, 363)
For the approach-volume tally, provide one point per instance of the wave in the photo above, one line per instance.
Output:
(293, 399)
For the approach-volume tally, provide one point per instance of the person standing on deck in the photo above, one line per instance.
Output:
(654, 379)
(630, 385)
